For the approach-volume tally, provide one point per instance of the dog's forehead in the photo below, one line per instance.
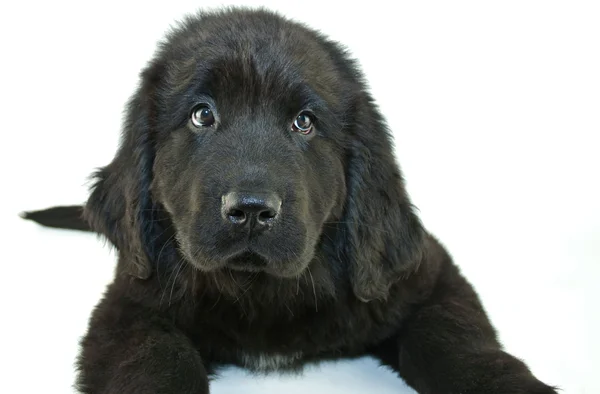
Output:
(273, 57)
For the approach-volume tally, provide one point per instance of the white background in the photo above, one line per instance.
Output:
(496, 111)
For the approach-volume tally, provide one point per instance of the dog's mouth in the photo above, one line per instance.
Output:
(247, 260)
(261, 255)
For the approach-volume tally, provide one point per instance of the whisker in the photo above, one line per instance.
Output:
(175, 280)
(164, 292)
(216, 302)
(360, 223)
(252, 279)
(237, 299)
(158, 258)
(314, 290)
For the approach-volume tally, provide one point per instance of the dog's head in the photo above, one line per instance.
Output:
(252, 143)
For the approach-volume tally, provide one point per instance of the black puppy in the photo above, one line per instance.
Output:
(261, 221)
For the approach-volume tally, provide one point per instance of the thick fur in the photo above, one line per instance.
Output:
(68, 217)
(347, 270)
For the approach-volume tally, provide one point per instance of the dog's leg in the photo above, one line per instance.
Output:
(129, 351)
(449, 346)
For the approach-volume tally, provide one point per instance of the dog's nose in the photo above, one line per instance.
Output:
(257, 209)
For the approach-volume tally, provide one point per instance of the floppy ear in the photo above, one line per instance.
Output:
(120, 205)
(384, 236)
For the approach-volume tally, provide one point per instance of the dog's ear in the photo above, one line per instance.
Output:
(383, 235)
(120, 205)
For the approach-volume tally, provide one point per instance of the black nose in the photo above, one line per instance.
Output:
(257, 209)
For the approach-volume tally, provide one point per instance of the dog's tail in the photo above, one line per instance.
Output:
(65, 217)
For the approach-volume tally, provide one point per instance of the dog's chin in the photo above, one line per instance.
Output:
(251, 262)
(288, 272)
(247, 261)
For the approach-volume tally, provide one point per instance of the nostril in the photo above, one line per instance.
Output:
(267, 216)
(252, 208)
(236, 216)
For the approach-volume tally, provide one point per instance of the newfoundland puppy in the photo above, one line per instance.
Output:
(261, 221)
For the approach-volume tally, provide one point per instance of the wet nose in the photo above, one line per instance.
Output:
(255, 209)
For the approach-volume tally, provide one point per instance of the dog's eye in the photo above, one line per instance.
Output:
(203, 116)
(303, 123)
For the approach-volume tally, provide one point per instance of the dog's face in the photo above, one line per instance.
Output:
(253, 141)
(248, 164)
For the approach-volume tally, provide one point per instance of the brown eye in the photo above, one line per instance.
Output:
(203, 116)
(303, 123)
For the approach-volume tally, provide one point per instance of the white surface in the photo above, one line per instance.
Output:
(496, 110)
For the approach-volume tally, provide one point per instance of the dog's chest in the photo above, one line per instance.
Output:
(268, 362)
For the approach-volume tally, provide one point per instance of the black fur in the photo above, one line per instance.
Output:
(68, 217)
(345, 270)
